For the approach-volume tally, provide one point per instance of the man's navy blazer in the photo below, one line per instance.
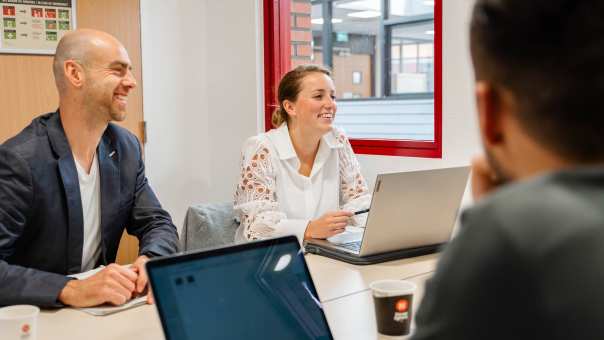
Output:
(41, 222)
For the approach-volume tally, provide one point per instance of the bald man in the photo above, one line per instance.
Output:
(72, 181)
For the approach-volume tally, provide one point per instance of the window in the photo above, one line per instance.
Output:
(385, 56)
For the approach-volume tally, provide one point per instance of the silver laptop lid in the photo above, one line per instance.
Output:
(413, 209)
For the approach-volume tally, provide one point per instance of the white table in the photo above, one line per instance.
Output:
(343, 288)
(335, 279)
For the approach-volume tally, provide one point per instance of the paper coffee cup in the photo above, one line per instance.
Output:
(19, 322)
(393, 302)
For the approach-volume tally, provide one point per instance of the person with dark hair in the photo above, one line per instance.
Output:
(528, 262)
(301, 177)
(72, 181)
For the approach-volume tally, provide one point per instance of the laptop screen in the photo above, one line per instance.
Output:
(259, 290)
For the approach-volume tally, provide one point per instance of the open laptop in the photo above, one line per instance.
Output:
(411, 214)
(257, 290)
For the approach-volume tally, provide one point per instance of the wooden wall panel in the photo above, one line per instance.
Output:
(27, 90)
(27, 85)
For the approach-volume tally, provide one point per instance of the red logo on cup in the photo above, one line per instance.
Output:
(25, 328)
(401, 305)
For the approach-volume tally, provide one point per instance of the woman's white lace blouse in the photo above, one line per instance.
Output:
(273, 199)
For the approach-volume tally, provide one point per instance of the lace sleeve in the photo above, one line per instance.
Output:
(255, 199)
(354, 193)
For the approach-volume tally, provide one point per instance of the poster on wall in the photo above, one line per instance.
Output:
(34, 26)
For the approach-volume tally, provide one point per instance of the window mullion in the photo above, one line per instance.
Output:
(382, 54)
(327, 34)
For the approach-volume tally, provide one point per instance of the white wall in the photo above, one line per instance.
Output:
(200, 81)
(202, 74)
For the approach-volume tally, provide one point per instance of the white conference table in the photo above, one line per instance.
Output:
(343, 288)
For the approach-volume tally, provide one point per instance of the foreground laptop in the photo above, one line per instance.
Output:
(411, 214)
(257, 290)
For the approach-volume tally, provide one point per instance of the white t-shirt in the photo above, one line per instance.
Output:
(90, 193)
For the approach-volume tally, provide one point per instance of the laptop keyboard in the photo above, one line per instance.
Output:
(354, 246)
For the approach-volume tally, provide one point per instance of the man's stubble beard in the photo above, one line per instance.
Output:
(101, 105)
(117, 116)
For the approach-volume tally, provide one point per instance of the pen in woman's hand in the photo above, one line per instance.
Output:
(361, 211)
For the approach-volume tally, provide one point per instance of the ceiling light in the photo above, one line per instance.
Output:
(361, 5)
(398, 8)
(365, 14)
(319, 21)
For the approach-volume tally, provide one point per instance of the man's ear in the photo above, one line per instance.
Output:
(490, 110)
(74, 73)
(289, 107)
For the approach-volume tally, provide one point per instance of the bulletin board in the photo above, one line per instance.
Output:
(34, 26)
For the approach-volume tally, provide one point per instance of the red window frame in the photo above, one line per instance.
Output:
(277, 63)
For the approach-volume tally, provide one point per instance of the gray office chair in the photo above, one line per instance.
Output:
(209, 225)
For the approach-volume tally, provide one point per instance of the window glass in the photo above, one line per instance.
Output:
(383, 66)
(405, 8)
(355, 26)
(416, 75)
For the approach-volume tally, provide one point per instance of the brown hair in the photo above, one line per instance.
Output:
(556, 76)
(289, 88)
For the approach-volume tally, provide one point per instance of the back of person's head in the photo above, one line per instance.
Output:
(289, 88)
(550, 55)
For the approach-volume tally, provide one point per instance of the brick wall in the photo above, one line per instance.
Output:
(301, 35)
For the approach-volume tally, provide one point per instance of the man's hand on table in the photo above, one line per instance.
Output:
(113, 284)
(142, 280)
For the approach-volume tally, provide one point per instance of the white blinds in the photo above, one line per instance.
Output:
(387, 119)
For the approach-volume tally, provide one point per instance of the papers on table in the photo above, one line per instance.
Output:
(110, 309)
(85, 275)
(107, 309)
(350, 235)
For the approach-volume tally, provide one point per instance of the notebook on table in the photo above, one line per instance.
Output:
(411, 214)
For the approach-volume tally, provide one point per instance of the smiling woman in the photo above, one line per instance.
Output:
(307, 103)
(301, 177)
